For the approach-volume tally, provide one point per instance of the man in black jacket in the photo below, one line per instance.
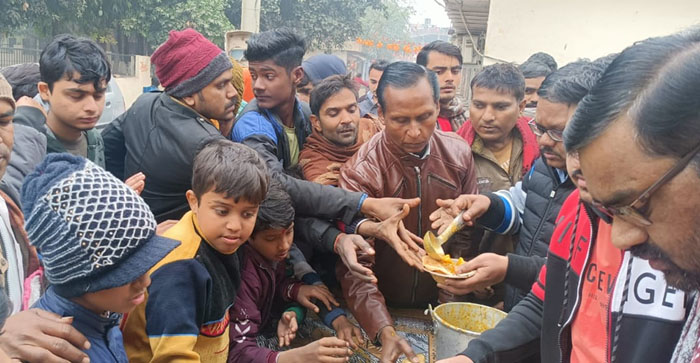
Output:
(160, 134)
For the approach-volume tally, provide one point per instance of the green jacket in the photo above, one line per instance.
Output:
(95, 149)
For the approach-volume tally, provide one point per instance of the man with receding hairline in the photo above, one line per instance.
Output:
(410, 158)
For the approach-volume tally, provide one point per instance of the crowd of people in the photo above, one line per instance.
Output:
(198, 227)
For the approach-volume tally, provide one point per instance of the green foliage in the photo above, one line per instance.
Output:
(387, 25)
(206, 16)
(102, 20)
(326, 24)
(12, 15)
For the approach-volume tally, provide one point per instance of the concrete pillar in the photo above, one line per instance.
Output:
(250, 15)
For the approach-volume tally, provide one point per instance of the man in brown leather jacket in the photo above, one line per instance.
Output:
(410, 158)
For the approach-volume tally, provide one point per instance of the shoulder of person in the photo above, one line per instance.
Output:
(452, 139)
(453, 148)
(190, 241)
(149, 100)
(171, 278)
(30, 116)
(252, 122)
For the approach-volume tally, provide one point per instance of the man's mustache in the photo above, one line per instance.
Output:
(648, 251)
(347, 128)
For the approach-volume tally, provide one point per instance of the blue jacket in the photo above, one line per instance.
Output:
(106, 343)
(254, 120)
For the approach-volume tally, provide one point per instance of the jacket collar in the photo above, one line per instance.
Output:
(408, 159)
(298, 115)
(258, 259)
(91, 324)
(178, 106)
(174, 103)
(478, 148)
(530, 149)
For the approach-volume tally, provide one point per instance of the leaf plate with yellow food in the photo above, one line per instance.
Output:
(445, 268)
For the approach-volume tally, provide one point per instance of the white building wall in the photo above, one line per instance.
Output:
(572, 29)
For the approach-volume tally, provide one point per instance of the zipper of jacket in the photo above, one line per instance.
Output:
(535, 235)
(420, 230)
(578, 288)
(608, 322)
(271, 275)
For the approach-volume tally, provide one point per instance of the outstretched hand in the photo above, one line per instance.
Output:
(136, 182)
(320, 292)
(393, 232)
(490, 269)
(394, 345)
(287, 328)
(384, 208)
(347, 331)
(347, 247)
(474, 204)
(324, 350)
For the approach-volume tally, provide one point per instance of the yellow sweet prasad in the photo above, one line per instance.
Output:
(447, 265)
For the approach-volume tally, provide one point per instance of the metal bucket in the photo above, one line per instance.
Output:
(455, 324)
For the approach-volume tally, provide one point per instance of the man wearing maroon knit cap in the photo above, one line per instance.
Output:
(161, 133)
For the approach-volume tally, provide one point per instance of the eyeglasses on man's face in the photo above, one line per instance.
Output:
(538, 130)
(632, 212)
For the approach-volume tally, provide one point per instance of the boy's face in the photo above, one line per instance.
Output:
(120, 299)
(75, 105)
(273, 84)
(224, 223)
(273, 244)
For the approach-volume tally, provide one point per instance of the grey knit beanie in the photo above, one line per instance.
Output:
(92, 232)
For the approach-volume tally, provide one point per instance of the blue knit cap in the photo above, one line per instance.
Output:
(322, 66)
(91, 230)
